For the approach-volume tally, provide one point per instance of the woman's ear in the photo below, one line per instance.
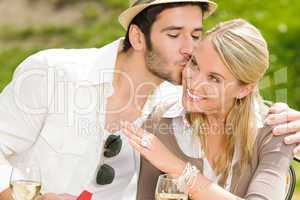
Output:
(246, 90)
(137, 38)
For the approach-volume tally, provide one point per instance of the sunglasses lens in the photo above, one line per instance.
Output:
(105, 175)
(112, 146)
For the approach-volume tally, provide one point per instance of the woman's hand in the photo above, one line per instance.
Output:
(153, 150)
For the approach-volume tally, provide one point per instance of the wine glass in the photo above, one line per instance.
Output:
(167, 189)
(25, 181)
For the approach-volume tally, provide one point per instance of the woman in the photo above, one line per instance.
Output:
(217, 145)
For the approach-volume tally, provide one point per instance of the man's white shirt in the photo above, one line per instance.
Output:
(52, 112)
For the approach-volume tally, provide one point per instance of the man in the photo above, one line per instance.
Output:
(62, 105)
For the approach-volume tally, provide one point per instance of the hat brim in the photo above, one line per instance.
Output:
(127, 16)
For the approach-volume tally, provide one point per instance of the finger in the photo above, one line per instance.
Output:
(138, 131)
(141, 132)
(39, 197)
(292, 139)
(132, 136)
(50, 196)
(138, 147)
(124, 124)
(290, 127)
(278, 107)
(297, 151)
(286, 116)
(132, 128)
(67, 197)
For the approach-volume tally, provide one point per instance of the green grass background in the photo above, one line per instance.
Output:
(278, 20)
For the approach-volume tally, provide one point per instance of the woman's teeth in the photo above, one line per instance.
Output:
(193, 97)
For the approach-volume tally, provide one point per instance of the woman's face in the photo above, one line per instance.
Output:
(208, 86)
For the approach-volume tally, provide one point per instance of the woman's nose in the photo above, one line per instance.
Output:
(192, 79)
(196, 81)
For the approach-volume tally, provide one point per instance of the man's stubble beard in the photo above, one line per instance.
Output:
(156, 65)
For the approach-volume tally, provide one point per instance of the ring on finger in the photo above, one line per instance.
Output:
(146, 140)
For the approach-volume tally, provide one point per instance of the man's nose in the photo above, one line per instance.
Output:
(187, 49)
(186, 53)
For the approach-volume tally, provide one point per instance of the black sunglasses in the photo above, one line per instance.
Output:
(112, 147)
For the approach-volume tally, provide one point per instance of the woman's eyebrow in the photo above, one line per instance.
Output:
(217, 74)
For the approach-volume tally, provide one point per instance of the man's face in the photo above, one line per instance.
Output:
(174, 35)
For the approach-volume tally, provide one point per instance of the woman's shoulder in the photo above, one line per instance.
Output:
(264, 131)
(265, 136)
(267, 142)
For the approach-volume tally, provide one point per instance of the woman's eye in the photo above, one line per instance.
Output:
(214, 79)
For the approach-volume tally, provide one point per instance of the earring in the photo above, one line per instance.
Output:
(237, 101)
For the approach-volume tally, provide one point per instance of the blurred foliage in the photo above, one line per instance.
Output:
(296, 166)
(278, 20)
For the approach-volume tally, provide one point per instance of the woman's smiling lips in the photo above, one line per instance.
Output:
(192, 96)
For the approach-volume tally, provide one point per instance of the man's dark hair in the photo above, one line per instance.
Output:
(145, 19)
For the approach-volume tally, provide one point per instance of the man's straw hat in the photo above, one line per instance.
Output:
(136, 6)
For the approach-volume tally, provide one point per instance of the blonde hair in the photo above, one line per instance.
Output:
(244, 51)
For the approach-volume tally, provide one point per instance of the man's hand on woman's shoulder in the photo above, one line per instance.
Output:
(286, 121)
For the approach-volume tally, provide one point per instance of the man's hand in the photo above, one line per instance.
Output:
(6, 195)
(287, 121)
(52, 196)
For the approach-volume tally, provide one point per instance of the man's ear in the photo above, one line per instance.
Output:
(246, 90)
(137, 38)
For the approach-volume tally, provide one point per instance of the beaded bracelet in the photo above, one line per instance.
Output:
(187, 177)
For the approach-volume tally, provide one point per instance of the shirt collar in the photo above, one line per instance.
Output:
(176, 110)
(102, 69)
